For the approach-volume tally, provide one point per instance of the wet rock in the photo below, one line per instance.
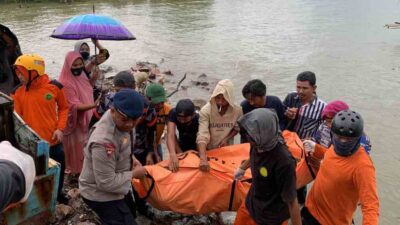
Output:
(199, 103)
(73, 193)
(63, 211)
(168, 72)
(166, 215)
(75, 219)
(107, 69)
(227, 218)
(197, 220)
(152, 76)
(53, 219)
(75, 203)
(143, 220)
(177, 222)
(196, 83)
(203, 75)
(85, 223)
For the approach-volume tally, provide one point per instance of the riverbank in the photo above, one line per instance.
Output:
(186, 86)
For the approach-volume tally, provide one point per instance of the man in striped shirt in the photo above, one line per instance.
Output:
(304, 108)
(303, 113)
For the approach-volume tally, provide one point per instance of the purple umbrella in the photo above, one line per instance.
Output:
(92, 26)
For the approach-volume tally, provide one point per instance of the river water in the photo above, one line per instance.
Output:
(343, 42)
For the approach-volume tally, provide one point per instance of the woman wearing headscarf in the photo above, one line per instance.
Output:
(272, 198)
(91, 61)
(79, 93)
(323, 134)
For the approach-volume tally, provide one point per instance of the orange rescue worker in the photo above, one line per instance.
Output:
(42, 105)
(346, 177)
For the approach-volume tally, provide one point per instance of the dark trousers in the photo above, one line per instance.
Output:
(307, 218)
(57, 153)
(301, 195)
(112, 212)
(140, 203)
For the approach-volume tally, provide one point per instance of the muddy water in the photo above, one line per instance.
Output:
(343, 42)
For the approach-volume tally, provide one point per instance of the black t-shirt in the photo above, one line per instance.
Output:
(187, 133)
(273, 185)
(145, 135)
(273, 103)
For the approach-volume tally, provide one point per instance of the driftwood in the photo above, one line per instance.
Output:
(177, 86)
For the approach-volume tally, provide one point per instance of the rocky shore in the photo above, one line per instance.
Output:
(198, 87)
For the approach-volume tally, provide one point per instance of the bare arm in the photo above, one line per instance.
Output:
(294, 211)
(225, 141)
(171, 127)
(204, 166)
(203, 138)
(173, 164)
(97, 43)
(366, 184)
(89, 66)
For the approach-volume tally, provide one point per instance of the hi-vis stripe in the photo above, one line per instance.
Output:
(309, 118)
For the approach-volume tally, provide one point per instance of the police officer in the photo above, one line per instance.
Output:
(109, 164)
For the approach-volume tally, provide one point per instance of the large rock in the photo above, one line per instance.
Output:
(73, 193)
(228, 218)
(63, 211)
(75, 203)
(86, 223)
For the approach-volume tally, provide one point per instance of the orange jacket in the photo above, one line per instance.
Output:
(43, 107)
(341, 183)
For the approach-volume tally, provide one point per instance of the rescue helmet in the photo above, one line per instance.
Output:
(31, 62)
(348, 123)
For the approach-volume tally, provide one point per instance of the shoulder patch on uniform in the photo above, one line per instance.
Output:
(15, 89)
(110, 148)
(56, 83)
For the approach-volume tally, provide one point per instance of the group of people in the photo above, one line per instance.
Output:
(108, 138)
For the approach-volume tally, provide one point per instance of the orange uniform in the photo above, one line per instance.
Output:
(341, 183)
(43, 107)
(243, 217)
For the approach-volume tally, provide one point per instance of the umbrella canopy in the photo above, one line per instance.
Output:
(92, 26)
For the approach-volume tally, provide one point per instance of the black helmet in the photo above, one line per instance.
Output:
(348, 123)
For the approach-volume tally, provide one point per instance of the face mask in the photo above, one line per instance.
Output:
(85, 55)
(77, 71)
(345, 148)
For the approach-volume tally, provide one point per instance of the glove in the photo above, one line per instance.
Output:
(239, 173)
(309, 146)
